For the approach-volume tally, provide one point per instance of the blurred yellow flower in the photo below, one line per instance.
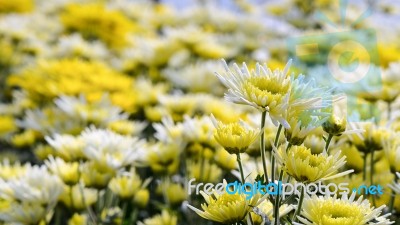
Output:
(165, 218)
(26, 138)
(111, 216)
(226, 208)
(16, 6)
(7, 125)
(306, 167)
(205, 172)
(68, 172)
(234, 137)
(126, 184)
(78, 197)
(96, 21)
(74, 77)
(78, 219)
(141, 198)
(164, 158)
(225, 160)
(345, 211)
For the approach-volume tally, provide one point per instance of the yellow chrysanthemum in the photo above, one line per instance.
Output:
(265, 211)
(261, 88)
(74, 77)
(344, 211)
(8, 170)
(206, 172)
(18, 6)
(7, 125)
(141, 198)
(225, 160)
(165, 218)
(68, 172)
(125, 185)
(175, 193)
(95, 21)
(112, 216)
(303, 166)
(78, 197)
(234, 137)
(163, 158)
(78, 219)
(226, 208)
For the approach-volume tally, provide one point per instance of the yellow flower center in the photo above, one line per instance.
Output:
(258, 88)
(336, 213)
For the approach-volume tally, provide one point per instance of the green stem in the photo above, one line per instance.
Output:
(365, 167)
(202, 161)
(272, 155)
(133, 216)
(239, 160)
(294, 219)
(393, 196)
(164, 190)
(277, 201)
(124, 210)
(371, 179)
(88, 208)
(389, 111)
(71, 197)
(328, 141)
(262, 146)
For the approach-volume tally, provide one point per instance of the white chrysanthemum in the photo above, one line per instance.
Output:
(68, 172)
(396, 186)
(101, 112)
(167, 131)
(261, 88)
(111, 149)
(319, 210)
(303, 166)
(75, 45)
(67, 146)
(197, 77)
(198, 129)
(36, 185)
(23, 213)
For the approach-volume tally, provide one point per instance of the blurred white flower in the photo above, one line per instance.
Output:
(111, 149)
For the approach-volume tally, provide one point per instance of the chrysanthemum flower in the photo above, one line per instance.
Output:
(67, 147)
(261, 88)
(303, 166)
(78, 197)
(396, 186)
(163, 158)
(111, 149)
(30, 196)
(126, 184)
(265, 211)
(206, 173)
(68, 172)
(9, 171)
(30, 187)
(391, 147)
(344, 211)
(226, 208)
(165, 218)
(234, 137)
